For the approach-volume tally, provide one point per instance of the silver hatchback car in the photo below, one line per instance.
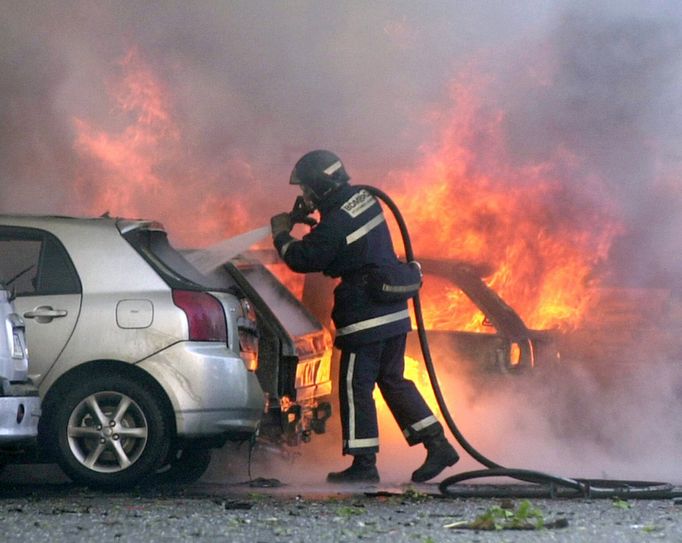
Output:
(139, 364)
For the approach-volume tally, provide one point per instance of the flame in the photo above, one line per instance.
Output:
(414, 371)
(541, 236)
(536, 226)
(468, 201)
(144, 167)
(127, 159)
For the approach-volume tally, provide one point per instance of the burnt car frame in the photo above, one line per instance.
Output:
(294, 366)
(512, 347)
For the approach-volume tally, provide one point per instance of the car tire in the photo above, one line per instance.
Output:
(110, 431)
(184, 467)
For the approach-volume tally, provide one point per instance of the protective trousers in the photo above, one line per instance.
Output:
(380, 363)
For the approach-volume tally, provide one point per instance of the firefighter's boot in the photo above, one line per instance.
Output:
(439, 455)
(362, 470)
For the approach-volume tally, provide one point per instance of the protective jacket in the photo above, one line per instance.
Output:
(351, 237)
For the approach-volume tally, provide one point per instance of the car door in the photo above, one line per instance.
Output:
(35, 266)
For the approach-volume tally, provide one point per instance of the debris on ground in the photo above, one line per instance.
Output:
(506, 517)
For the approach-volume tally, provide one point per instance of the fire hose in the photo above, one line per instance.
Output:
(542, 484)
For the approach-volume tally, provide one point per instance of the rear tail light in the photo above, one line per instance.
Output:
(16, 336)
(248, 347)
(205, 315)
(248, 335)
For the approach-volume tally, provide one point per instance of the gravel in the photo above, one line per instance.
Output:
(239, 512)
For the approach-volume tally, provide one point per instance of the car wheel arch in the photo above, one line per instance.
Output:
(93, 368)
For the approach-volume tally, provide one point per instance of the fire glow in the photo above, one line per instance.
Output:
(469, 204)
(146, 168)
(127, 159)
(466, 200)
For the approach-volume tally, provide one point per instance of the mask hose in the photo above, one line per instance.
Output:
(593, 488)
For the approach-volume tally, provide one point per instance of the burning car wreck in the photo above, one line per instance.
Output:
(506, 345)
(294, 352)
(501, 344)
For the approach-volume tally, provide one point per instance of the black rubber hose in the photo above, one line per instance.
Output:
(423, 341)
(594, 488)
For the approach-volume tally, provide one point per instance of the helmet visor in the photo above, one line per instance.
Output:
(294, 179)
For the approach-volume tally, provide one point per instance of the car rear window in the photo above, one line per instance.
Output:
(169, 263)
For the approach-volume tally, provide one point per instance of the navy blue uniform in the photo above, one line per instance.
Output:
(351, 237)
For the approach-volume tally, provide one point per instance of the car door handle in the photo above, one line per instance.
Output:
(45, 312)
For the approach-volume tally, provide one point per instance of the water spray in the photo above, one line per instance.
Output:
(208, 259)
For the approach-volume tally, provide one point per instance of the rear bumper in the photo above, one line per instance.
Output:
(19, 418)
(211, 390)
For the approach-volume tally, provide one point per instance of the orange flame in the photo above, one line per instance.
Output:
(127, 160)
(145, 169)
(468, 199)
(471, 204)
(415, 373)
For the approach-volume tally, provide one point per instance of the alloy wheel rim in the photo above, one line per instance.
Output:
(107, 432)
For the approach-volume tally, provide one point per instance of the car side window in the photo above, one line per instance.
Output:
(34, 262)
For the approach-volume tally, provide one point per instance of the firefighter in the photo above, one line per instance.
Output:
(352, 236)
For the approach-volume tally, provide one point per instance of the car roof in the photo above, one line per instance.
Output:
(123, 224)
(97, 248)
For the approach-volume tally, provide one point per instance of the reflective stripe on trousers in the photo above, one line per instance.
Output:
(381, 363)
(352, 442)
(415, 428)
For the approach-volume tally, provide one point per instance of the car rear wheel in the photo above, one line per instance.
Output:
(185, 466)
(111, 432)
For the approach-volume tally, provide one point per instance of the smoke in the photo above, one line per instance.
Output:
(249, 86)
(254, 83)
(572, 423)
(566, 421)
(610, 98)
(244, 88)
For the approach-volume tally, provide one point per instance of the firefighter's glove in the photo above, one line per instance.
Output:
(280, 223)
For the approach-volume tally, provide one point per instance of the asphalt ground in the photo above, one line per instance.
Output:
(37, 504)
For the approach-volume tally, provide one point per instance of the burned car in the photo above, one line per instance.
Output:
(294, 351)
(510, 347)
(140, 363)
(19, 400)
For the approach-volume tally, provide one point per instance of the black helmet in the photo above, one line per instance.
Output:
(321, 171)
